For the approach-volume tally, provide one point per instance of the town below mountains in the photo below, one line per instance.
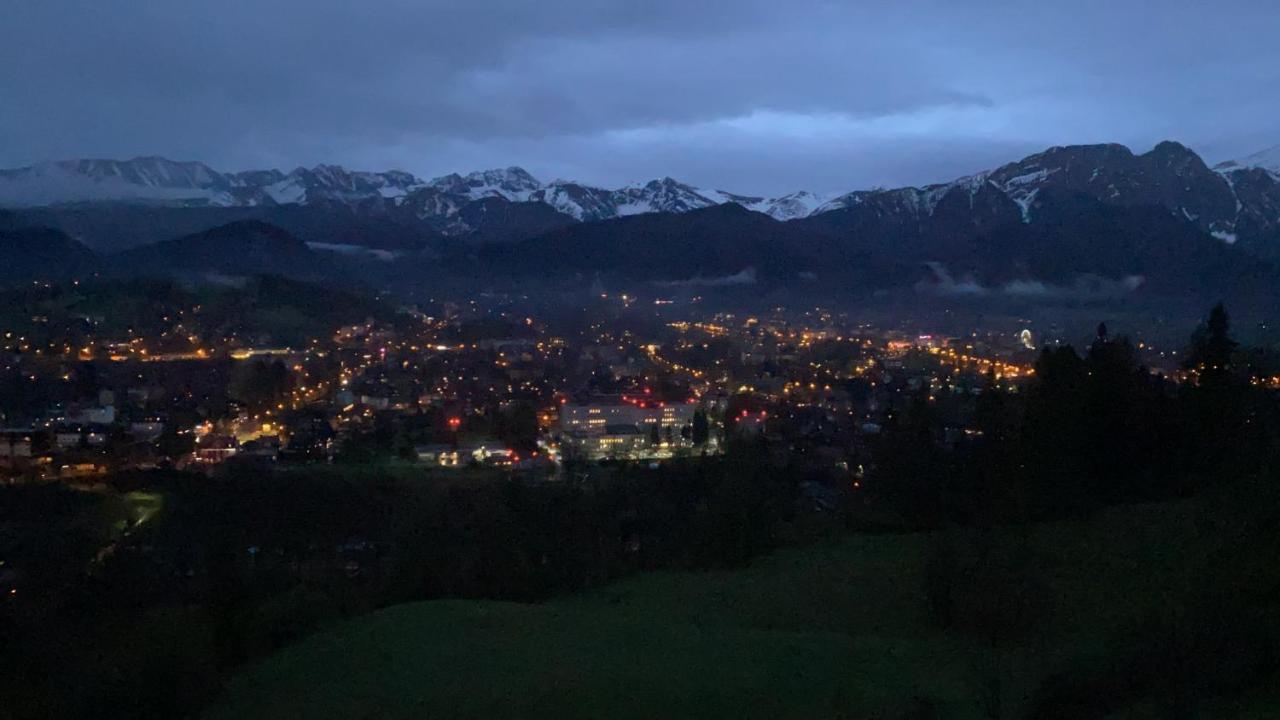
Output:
(1086, 222)
(302, 446)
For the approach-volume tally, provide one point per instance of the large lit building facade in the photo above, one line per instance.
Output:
(635, 428)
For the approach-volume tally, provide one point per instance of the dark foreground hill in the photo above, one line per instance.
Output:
(1117, 616)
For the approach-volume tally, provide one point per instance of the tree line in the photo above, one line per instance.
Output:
(1088, 430)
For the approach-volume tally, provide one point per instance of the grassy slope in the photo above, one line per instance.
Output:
(833, 630)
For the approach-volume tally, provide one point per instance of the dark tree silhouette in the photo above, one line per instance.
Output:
(518, 427)
(1224, 432)
(260, 384)
(701, 428)
(911, 467)
(1212, 349)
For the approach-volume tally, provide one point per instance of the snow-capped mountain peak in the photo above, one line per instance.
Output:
(1235, 200)
(142, 178)
(662, 195)
(156, 179)
(797, 204)
(578, 201)
(150, 171)
(512, 183)
(334, 182)
(1169, 174)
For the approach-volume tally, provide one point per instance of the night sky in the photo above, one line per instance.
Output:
(753, 97)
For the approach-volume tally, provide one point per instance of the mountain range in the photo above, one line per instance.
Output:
(1091, 218)
(157, 180)
(1233, 201)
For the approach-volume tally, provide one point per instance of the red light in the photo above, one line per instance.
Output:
(646, 391)
(455, 423)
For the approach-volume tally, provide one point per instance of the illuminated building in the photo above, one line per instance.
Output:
(479, 452)
(640, 412)
(623, 442)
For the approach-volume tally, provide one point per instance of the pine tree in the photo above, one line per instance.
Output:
(1221, 439)
(701, 428)
(1212, 348)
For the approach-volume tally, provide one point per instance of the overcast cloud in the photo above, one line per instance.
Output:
(750, 97)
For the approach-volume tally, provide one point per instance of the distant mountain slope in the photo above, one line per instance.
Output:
(1268, 159)
(513, 184)
(158, 179)
(246, 247)
(718, 245)
(708, 242)
(112, 227)
(39, 253)
(142, 178)
(974, 241)
(1076, 236)
(495, 220)
(1231, 204)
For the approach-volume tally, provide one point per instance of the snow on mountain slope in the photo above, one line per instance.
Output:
(1237, 199)
(150, 172)
(915, 201)
(789, 207)
(665, 195)
(1268, 160)
(286, 191)
(154, 179)
(1169, 175)
(577, 201)
(1254, 184)
(513, 183)
(430, 202)
(145, 178)
(334, 182)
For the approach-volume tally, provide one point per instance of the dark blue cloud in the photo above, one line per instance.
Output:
(749, 96)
